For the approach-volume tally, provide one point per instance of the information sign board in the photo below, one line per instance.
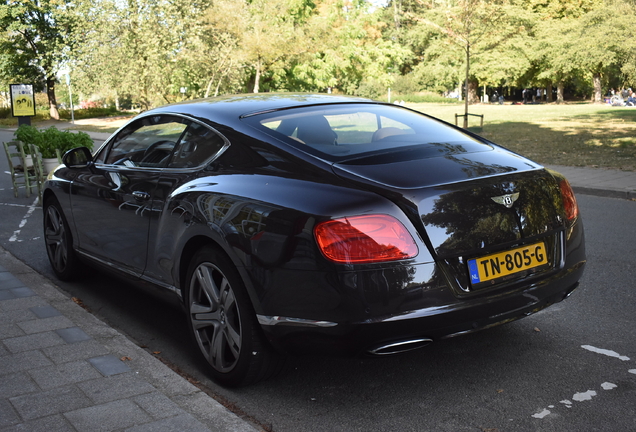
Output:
(22, 100)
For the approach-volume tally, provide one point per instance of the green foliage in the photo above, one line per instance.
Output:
(141, 53)
(50, 139)
(36, 39)
(349, 52)
(85, 113)
(43, 115)
(12, 121)
(372, 89)
(424, 97)
(406, 84)
(28, 135)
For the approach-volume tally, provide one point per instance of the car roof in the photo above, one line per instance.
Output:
(233, 107)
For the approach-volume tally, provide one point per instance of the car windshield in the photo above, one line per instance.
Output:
(356, 132)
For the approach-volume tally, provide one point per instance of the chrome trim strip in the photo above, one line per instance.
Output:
(209, 160)
(276, 320)
(400, 347)
(108, 264)
(171, 288)
(163, 285)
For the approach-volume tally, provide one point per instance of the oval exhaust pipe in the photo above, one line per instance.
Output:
(400, 347)
(570, 290)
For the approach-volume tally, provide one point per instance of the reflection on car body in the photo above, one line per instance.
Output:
(295, 223)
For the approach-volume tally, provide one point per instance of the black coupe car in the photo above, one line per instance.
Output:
(290, 223)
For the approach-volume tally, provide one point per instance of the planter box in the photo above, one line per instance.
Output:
(49, 164)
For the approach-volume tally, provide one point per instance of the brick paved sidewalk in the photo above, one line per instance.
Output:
(62, 369)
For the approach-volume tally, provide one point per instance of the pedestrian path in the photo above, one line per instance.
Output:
(62, 369)
(600, 181)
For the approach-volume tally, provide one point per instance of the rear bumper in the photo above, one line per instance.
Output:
(425, 324)
(384, 308)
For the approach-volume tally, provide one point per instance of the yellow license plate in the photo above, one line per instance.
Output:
(502, 264)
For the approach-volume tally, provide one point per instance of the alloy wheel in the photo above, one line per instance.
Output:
(56, 239)
(215, 317)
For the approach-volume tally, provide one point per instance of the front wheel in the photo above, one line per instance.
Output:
(223, 322)
(59, 243)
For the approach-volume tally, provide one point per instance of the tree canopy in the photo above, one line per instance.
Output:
(37, 39)
(154, 52)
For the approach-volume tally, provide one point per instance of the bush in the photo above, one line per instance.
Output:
(50, 139)
(371, 89)
(406, 84)
(12, 121)
(43, 114)
(85, 113)
(424, 97)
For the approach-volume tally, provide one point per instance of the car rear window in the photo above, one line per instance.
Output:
(358, 131)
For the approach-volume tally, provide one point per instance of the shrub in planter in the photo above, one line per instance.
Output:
(48, 140)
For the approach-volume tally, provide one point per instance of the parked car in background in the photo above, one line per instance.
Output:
(289, 223)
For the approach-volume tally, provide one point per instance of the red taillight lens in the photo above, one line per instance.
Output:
(365, 239)
(569, 200)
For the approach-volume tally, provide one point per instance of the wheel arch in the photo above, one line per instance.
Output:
(192, 246)
(58, 191)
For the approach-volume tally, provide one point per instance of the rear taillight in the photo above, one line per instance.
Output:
(365, 239)
(569, 200)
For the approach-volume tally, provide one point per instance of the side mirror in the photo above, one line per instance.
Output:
(79, 157)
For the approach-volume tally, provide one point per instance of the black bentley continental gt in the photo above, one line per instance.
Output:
(289, 223)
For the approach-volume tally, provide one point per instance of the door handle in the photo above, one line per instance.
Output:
(141, 196)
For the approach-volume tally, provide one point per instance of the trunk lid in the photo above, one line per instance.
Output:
(470, 206)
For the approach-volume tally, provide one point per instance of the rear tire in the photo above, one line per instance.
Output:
(223, 322)
(59, 242)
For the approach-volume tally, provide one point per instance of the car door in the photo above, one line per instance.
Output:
(111, 201)
(172, 212)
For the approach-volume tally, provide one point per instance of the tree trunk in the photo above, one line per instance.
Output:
(560, 89)
(598, 91)
(257, 78)
(397, 13)
(207, 90)
(50, 92)
(549, 90)
(466, 87)
(473, 87)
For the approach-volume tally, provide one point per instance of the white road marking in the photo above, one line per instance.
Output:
(605, 352)
(588, 395)
(13, 205)
(23, 222)
(542, 414)
(608, 386)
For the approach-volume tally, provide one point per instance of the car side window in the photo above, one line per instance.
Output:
(147, 142)
(198, 145)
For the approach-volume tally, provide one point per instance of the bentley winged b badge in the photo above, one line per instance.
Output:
(507, 200)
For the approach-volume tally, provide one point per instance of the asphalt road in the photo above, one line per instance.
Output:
(571, 367)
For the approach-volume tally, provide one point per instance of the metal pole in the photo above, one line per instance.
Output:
(466, 82)
(70, 94)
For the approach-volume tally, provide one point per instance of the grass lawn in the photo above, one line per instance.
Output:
(571, 134)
